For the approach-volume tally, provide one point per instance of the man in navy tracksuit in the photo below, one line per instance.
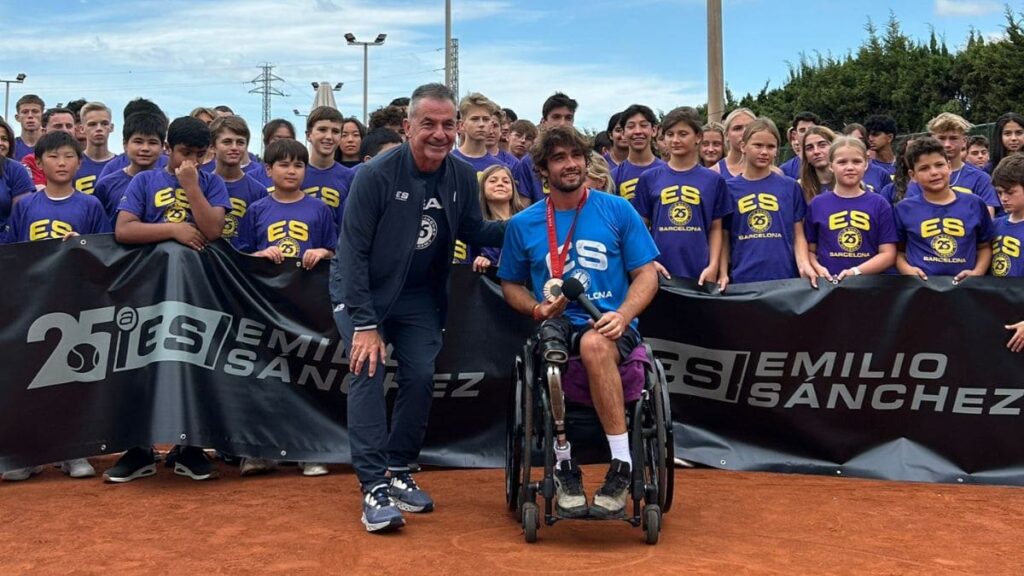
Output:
(389, 284)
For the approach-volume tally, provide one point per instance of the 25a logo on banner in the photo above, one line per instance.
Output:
(106, 339)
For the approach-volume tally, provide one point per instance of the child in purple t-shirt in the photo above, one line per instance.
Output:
(1007, 261)
(849, 230)
(766, 233)
(942, 232)
(57, 211)
(684, 203)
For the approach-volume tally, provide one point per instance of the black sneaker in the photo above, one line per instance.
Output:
(610, 499)
(192, 462)
(133, 464)
(408, 496)
(572, 500)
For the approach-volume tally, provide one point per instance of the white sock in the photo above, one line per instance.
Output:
(619, 444)
(562, 454)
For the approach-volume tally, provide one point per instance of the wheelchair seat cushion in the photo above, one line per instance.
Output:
(632, 370)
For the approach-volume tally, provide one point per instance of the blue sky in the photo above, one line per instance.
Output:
(605, 53)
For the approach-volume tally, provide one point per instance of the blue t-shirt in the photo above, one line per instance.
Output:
(330, 185)
(761, 232)
(121, 161)
(848, 232)
(244, 192)
(89, 173)
(258, 171)
(527, 182)
(967, 180)
(479, 164)
(791, 167)
(608, 243)
(1006, 255)
(507, 158)
(627, 174)
(21, 149)
(681, 207)
(109, 190)
(943, 240)
(14, 182)
(723, 169)
(877, 178)
(294, 227)
(887, 167)
(39, 217)
(155, 197)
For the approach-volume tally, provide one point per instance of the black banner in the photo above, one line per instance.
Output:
(881, 377)
(104, 347)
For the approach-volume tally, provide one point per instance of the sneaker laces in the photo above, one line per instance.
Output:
(404, 481)
(378, 497)
(570, 477)
(616, 480)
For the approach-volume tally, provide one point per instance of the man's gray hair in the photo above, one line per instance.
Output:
(433, 91)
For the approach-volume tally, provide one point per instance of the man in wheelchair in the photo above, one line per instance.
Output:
(600, 241)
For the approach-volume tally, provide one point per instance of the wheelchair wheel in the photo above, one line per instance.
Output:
(666, 440)
(514, 440)
(531, 521)
(652, 524)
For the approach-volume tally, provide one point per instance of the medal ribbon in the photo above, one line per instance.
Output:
(558, 258)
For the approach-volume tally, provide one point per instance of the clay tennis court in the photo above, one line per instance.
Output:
(722, 523)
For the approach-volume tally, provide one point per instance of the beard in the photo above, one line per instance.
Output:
(565, 185)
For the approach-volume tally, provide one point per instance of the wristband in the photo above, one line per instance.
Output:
(856, 271)
(536, 307)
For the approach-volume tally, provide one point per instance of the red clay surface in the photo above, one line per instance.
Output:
(722, 523)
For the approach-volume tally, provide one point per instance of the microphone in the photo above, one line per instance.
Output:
(573, 290)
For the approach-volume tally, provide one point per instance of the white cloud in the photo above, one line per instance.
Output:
(966, 7)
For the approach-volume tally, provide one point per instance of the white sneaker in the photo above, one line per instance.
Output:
(78, 468)
(314, 469)
(21, 473)
(253, 466)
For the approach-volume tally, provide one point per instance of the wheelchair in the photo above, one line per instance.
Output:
(538, 410)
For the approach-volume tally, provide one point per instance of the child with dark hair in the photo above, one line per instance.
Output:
(977, 151)
(352, 134)
(1008, 178)
(378, 141)
(144, 135)
(185, 204)
(942, 232)
(277, 129)
(137, 106)
(14, 181)
(639, 125)
(287, 224)
(521, 135)
(881, 136)
(802, 122)
(57, 211)
(1007, 138)
(684, 203)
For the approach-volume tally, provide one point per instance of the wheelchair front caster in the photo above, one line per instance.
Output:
(531, 520)
(652, 523)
